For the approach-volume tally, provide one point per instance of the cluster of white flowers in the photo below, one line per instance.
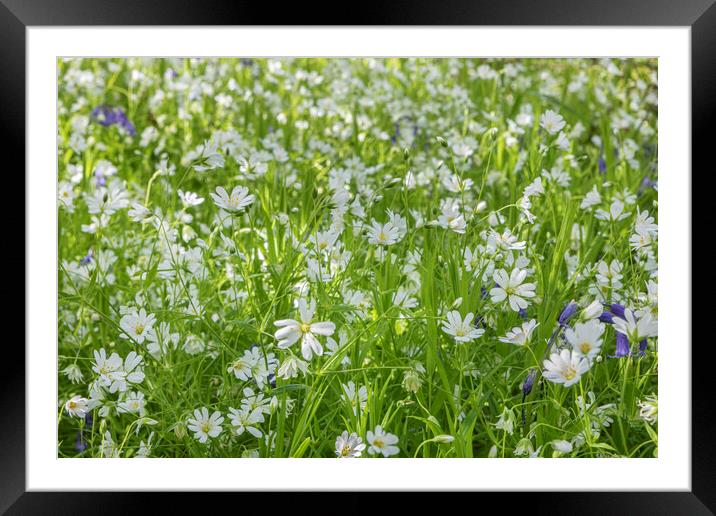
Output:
(362, 241)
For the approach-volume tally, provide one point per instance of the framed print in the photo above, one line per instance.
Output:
(359, 258)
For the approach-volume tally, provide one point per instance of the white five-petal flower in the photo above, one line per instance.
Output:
(511, 288)
(305, 330)
(237, 201)
(461, 329)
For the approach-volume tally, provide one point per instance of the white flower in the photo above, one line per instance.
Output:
(616, 212)
(511, 288)
(133, 403)
(242, 366)
(593, 311)
(383, 234)
(649, 409)
(73, 373)
(644, 224)
(236, 202)
(137, 325)
(585, 338)
(381, 442)
(520, 335)
(403, 299)
(505, 241)
(144, 448)
(324, 240)
(455, 184)
(591, 199)
(256, 401)
(452, 219)
(205, 426)
(506, 421)
(107, 200)
(524, 447)
(291, 330)
(108, 447)
(349, 446)
(557, 176)
(334, 347)
(636, 329)
(76, 406)
(210, 157)
(461, 330)
(565, 367)
(114, 374)
(355, 398)
(534, 188)
(106, 367)
(246, 420)
(66, 195)
(193, 345)
(161, 340)
(551, 122)
(129, 373)
(561, 446)
(190, 198)
(291, 366)
(562, 142)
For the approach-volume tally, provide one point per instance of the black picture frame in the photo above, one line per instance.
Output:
(17, 15)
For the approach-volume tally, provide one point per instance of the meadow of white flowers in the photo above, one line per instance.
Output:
(357, 258)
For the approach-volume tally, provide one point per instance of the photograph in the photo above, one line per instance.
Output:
(357, 257)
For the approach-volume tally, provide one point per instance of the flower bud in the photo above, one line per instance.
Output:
(180, 431)
(567, 313)
(443, 439)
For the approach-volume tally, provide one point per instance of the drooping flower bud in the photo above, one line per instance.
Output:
(622, 346)
(567, 313)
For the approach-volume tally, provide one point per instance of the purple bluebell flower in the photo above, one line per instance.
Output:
(522, 313)
(614, 309)
(87, 259)
(642, 347)
(623, 347)
(567, 313)
(602, 165)
(80, 444)
(646, 184)
(529, 382)
(607, 317)
(479, 321)
(106, 116)
(617, 310)
(526, 389)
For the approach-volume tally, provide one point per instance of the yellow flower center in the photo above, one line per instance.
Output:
(306, 327)
(570, 373)
(378, 443)
(139, 329)
(382, 237)
(73, 405)
(585, 347)
(345, 451)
